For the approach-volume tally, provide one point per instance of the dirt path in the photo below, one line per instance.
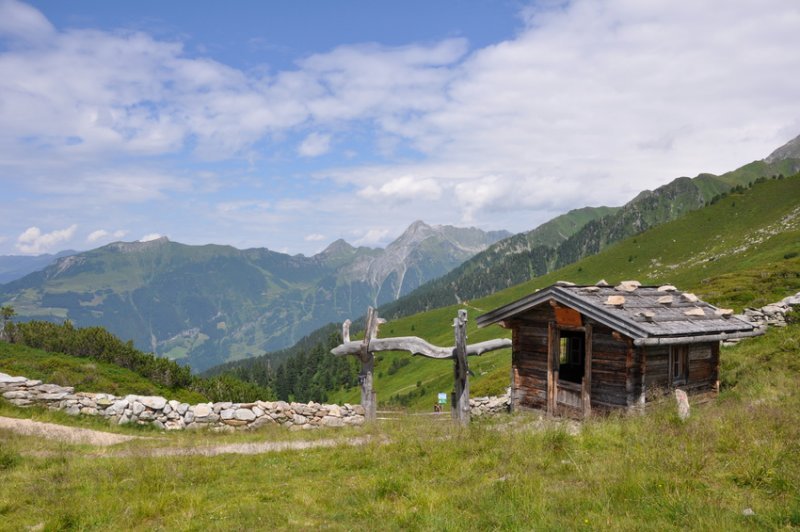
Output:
(104, 439)
(66, 434)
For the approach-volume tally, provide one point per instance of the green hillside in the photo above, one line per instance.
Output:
(85, 375)
(742, 250)
(581, 233)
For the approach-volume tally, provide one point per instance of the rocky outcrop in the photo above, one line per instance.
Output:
(174, 415)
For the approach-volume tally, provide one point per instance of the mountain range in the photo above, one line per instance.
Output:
(585, 232)
(204, 305)
(14, 267)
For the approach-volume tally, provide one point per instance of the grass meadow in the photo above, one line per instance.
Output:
(734, 464)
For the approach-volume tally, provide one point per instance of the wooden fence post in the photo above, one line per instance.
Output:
(460, 400)
(368, 395)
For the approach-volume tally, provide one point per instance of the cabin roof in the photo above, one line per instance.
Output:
(645, 311)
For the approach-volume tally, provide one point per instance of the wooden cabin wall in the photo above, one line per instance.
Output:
(529, 358)
(611, 366)
(703, 368)
(658, 368)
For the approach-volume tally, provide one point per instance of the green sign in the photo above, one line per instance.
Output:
(442, 398)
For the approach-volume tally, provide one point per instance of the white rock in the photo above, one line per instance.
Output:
(153, 402)
(202, 410)
(299, 419)
(227, 413)
(138, 408)
(331, 421)
(244, 414)
(257, 411)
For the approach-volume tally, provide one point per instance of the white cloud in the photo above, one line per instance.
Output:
(404, 188)
(102, 234)
(149, 237)
(33, 241)
(23, 22)
(314, 145)
(314, 237)
(373, 238)
(588, 103)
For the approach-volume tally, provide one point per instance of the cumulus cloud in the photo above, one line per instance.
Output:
(404, 188)
(33, 241)
(373, 238)
(102, 234)
(314, 237)
(149, 237)
(588, 103)
(314, 145)
(23, 22)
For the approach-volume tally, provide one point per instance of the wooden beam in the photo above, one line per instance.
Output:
(365, 377)
(460, 403)
(418, 346)
(587, 372)
(552, 348)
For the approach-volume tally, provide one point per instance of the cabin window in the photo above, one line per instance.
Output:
(571, 356)
(680, 364)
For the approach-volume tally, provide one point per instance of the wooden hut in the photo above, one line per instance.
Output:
(578, 348)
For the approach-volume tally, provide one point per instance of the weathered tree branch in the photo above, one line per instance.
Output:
(418, 346)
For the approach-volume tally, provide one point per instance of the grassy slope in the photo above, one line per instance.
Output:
(85, 375)
(648, 472)
(730, 253)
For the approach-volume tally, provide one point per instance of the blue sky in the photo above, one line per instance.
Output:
(290, 124)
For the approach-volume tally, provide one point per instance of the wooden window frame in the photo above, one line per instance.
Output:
(679, 365)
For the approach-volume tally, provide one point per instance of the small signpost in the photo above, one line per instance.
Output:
(366, 348)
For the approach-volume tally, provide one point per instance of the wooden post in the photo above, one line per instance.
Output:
(460, 400)
(587, 372)
(553, 357)
(368, 395)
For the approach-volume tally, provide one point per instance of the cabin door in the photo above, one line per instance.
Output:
(569, 376)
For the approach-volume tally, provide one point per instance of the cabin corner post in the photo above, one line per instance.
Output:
(587, 372)
(460, 400)
(365, 376)
(552, 367)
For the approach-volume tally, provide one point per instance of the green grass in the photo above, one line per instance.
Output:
(649, 472)
(84, 374)
(730, 254)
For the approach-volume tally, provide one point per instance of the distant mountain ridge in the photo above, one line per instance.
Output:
(207, 304)
(14, 267)
(528, 255)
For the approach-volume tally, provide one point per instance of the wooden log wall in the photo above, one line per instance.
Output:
(703, 368)
(529, 359)
(612, 366)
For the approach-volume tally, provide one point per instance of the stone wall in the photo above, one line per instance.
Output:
(487, 406)
(772, 315)
(174, 415)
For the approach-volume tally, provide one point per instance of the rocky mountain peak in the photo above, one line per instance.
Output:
(337, 247)
(133, 247)
(790, 150)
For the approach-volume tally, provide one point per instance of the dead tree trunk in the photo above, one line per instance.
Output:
(460, 399)
(368, 396)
